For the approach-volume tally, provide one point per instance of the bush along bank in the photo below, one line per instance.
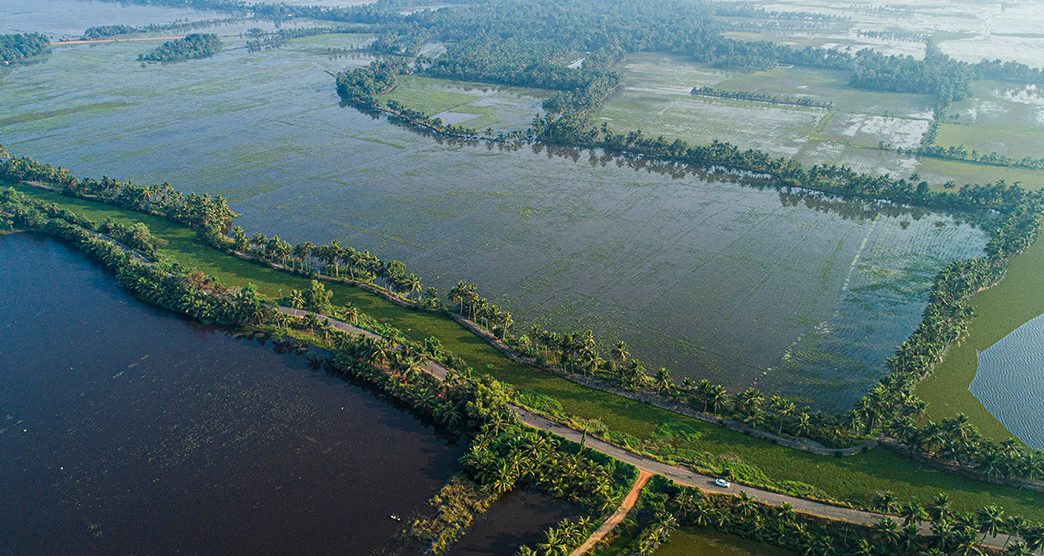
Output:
(933, 529)
(580, 353)
(504, 453)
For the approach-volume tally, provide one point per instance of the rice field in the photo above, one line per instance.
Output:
(655, 97)
(686, 268)
(474, 105)
(1001, 118)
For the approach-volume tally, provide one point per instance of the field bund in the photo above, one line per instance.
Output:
(798, 293)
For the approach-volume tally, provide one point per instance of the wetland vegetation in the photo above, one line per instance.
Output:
(826, 287)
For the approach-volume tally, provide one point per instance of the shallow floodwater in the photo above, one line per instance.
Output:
(124, 429)
(70, 18)
(802, 294)
(1009, 382)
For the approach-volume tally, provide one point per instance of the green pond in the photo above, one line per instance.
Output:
(710, 275)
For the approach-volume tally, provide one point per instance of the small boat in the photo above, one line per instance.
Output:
(394, 517)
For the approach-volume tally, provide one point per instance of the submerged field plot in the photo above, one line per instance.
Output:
(473, 105)
(707, 277)
(850, 127)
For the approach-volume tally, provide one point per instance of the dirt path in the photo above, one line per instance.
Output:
(131, 39)
(618, 516)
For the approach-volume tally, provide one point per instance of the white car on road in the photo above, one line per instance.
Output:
(722, 483)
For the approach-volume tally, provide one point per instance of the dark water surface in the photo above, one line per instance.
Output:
(124, 429)
(799, 294)
(520, 518)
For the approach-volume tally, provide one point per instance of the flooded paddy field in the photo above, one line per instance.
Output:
(126, 429)
(655, 97)
(968, 31)
(1000, 117)
(69, 18)
(688, 269)
(475, 105)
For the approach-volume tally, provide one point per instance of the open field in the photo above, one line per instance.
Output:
(655, 97)
(687, 542)
(1018, 298)
(708, 278)
(938, 171)
(1000, 117)
(681, 439)
(475, 105)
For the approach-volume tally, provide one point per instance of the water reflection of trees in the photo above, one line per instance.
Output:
(848, 208)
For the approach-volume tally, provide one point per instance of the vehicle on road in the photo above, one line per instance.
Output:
(722, 483)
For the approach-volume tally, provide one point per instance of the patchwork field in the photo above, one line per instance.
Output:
(475, 105)
(655, 97)
(688, 269)
(999, 118)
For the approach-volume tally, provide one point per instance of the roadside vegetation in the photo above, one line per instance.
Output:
(638, 426)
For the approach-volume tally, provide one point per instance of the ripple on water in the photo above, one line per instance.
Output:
(1010, 382)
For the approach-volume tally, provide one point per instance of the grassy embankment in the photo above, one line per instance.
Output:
(1019, 297)
(855, 479)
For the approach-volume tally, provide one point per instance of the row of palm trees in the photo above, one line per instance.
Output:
(950, 532)
(190, 293)
(332, 260)
(465, 301)
(578, 352)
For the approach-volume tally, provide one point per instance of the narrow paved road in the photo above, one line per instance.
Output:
(618, 516)
(650, 466)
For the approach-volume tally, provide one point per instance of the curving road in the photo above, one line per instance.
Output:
(649, 466)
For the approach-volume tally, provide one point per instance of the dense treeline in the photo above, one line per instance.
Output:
(890, 407)
(191, 47)
(759, 97)
(21, 47)
(107, 31)
(211, 216)
(169, 286)
(258, 39)
(665, 506)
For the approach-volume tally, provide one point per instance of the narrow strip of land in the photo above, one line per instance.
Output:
(128, 39)
(618, 516)
(646, 465)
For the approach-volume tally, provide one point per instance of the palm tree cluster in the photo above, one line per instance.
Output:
(167, 285)
(465, 301)
(210, 215)
(950, 532)
(509, 454)
(579, 353)
(561, 539)
(334, 261)
(21, 47)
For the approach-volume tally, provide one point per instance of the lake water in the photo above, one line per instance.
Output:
(804, 295)
(69, 18)
(1009, 382)
(124, 429)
